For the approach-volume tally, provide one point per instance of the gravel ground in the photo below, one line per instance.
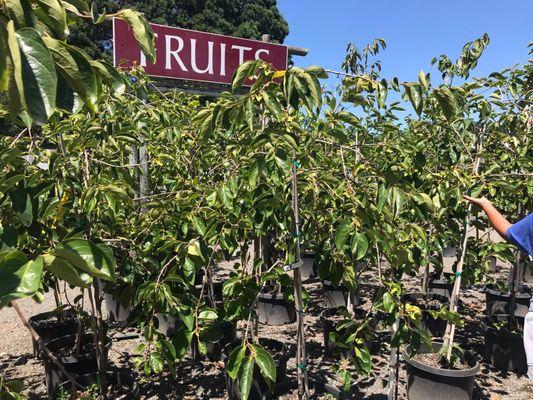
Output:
(205, 380)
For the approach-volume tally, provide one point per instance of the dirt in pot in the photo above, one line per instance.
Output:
(506, 326)
(85, 348)
(437, 360)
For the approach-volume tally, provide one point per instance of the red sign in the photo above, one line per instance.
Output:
(192, 55)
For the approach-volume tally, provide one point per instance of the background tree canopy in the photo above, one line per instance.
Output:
(243, 18)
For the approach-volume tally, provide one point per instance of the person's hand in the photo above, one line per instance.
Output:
(477, 201)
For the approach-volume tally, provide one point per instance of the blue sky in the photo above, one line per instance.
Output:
(415, 31)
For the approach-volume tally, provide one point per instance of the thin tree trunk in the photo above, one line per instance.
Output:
(393, 362)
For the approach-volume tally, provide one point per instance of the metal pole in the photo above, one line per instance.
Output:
(301, 356)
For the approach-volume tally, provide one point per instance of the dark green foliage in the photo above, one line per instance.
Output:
(243, 18)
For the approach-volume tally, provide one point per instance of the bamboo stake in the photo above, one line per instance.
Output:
(514, 280)
(301, 356)
(454, 299)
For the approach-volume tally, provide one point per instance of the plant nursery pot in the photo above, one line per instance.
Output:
(498, 302)
(525, 271)
(274, 309)
(217, 291)
(427, 382)
(435, 327)
(49, 327)
(259, 389)
(214, 350)
(329, 325)
(120, 385)
(167, 324)
(337, 296)
(504, 349)
(81, 364)
(441, 287)
(308, 270)
(116, 311)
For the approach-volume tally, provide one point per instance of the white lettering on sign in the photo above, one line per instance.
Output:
(209, 68)
(173, 53)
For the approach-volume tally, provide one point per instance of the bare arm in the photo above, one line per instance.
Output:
(498, 221)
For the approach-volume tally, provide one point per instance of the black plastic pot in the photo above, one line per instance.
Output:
(504, 349)
(259, 389)
(214, 350)
(525, 271)
(498, 302)
(130, 388)
(337, 296)
(167, 324)
(435, 327)
(82, 364)
(329, 325)
(441, 287)
(308, 270)
(426, 382)
(49, 327)
(116, 311)
(274, 309)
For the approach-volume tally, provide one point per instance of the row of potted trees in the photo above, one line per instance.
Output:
(169, 186)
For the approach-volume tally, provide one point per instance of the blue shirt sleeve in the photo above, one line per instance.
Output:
(521, 234)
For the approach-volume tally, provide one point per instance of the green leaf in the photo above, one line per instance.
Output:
(415, 94)
(244, 71)
(8, 183)
(81, 5)
(66, 271)
(199, 224)
(16, 101)
(381, 197)
(97, 17)
(342, 233)
(189, 271)
(266, 364)
(388, 302)
(194, 249)
(39, 75)
(88, 257)
(234, 361)
(207, 314)
(20, 12)
(22, 205)
(156, 362)
(141, 30)
(363, 359)
(225, 196)
(272, 103)
(447, 102)
(182, 341)
(246, 377)
(76, 69)
(19, 277)
(110, 76)
(53, 14)
(359, 245)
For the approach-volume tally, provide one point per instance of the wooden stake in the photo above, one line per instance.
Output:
(454, 298)
(301, 356)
